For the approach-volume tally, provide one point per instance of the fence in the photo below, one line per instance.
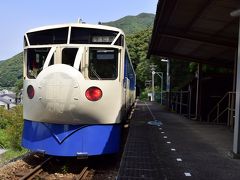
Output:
(180, 102)
(222, 113)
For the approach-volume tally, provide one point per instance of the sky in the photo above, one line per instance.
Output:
(18, 16)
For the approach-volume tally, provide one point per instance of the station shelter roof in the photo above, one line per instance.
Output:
(196, 30)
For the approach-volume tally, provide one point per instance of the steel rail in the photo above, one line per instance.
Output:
(35, 171)
(83, 174)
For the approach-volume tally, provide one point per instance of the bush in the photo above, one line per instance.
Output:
(14, 130)
(5, 116)
(4, 143)
(144, 93)
(11, 123)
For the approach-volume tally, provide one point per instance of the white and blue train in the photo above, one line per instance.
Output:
(79, 83)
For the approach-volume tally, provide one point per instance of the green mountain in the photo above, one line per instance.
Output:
(133, 24)
(11, 69)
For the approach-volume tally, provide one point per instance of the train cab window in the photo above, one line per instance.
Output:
(91, 36)
(50, 36)
(120, 41)
(35, 61)
(25, 41)
(103, 63)
(69, 55)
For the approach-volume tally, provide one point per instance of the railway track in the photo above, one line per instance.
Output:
(83, 174)
(35, 173)
(39, 167)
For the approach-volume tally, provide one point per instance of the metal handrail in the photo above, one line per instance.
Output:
(181, 99)
(217, 107)
(220, 114)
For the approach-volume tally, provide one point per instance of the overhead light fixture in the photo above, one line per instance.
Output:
(235, 13)
(164, 60)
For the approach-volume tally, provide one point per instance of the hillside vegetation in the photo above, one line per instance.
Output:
(133, 24)
(11, 71)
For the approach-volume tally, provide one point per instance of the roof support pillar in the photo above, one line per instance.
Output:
(236, 137)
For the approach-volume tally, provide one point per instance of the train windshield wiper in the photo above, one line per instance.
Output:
(95, 73)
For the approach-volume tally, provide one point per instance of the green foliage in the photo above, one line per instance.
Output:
(133, 24)
(15, 128)
(65, 169)
(206, 68)
(5, 116)
(17, 87)
(180, 74)
(10, 154)
(144, 94)
(4, 140)
(193, 67)
(11, 122)
(11, 71)
(138, 47)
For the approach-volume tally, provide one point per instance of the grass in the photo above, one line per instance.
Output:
(11, 122)
(11, 154)
(3, 139)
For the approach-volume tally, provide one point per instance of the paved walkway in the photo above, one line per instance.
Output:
(178, 149)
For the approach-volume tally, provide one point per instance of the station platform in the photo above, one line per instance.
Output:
(174, 147)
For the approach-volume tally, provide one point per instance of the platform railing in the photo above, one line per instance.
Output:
(180, 102)
(224, 108)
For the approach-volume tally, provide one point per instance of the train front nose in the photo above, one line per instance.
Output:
(58, 93)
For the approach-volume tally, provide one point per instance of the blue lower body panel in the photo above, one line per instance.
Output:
(71, 140)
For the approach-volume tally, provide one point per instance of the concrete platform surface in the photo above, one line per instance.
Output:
(177, 149)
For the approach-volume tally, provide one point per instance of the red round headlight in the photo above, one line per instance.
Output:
(30, 91)
(93, 93)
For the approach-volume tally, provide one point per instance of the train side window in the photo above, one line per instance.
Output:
(120, 41)
(129, 71)
(103, 63)
(51, 61)
(69, 55)
(25, 41)
(35, 61)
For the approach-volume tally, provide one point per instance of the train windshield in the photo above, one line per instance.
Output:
(36, 58)
(69, 55)
(103, 63)
(92, 36)
(50, 36)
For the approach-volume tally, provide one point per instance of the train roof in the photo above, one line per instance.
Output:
(93, 26)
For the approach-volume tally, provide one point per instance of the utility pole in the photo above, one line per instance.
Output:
(153, 67)
(160, 74)
(168, 74)
(168, 80)
(153, 91)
